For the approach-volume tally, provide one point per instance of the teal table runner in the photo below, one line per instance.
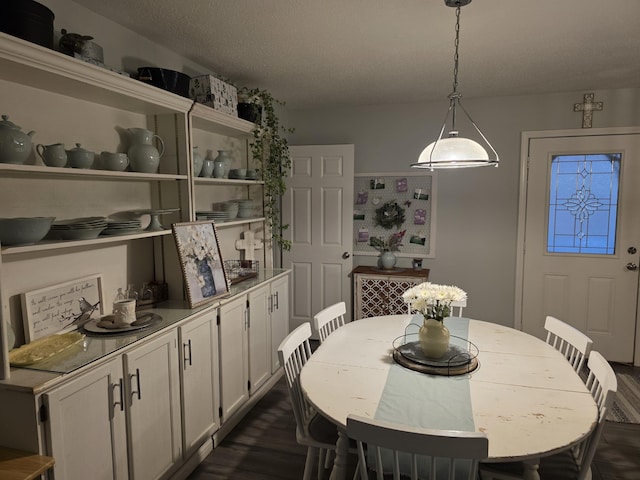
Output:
(427, 401)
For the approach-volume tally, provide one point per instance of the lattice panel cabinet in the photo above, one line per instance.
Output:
(379, 292)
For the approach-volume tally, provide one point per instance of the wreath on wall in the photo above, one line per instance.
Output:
(390, 215)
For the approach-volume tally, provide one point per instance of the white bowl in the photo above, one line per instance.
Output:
(24, 230)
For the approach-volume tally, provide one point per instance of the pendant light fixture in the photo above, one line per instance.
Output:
(455, 151)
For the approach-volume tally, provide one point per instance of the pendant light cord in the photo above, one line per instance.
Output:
(454, 96)
(455, 56)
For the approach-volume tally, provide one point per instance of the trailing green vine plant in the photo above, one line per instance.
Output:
(270, 150)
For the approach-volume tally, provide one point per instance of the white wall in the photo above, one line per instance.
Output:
(123, 49)
(477, 208)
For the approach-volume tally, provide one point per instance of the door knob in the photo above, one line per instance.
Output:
(346, 255)
(632, 266)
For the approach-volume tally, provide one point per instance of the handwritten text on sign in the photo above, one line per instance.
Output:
(55, 308)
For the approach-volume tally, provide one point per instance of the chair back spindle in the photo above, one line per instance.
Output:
(329, 319)
(574, 345)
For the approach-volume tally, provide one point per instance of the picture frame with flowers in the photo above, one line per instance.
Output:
(201, 261)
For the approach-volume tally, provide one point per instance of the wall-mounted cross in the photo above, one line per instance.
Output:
(587, 107)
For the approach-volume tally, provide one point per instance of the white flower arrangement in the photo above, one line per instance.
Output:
(433, 300)
(199, 245)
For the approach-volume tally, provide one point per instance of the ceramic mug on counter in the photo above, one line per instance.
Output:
(117, 162)
(124, 312)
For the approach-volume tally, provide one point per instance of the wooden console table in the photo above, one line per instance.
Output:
(379, 292)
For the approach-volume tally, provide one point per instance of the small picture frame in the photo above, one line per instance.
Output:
(202, 265)
(362, 198)
(363, 235)
(420, 194)
(377, 184)
(62, 307)
(358, 215)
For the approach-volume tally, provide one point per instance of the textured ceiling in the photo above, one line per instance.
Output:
(314, 53)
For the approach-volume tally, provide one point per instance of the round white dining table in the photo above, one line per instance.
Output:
(524, 395)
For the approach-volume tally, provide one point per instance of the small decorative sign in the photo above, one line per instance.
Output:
(62, 307)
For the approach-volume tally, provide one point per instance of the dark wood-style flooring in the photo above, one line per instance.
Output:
(263, 446)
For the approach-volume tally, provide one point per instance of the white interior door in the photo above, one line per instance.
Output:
(318, 206)
(581, 238)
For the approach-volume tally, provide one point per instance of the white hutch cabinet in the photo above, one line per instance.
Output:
(150, 404)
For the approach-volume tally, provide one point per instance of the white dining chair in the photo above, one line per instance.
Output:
(456, 308)
(329, 319)
(313, 430)
(445, 454)
(573, 463)
(568, 340)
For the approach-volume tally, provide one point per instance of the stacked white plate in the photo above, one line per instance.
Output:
(217, 216)
(84, 228)
(122, 227)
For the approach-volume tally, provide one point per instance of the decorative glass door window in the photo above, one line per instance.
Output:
(583, 203)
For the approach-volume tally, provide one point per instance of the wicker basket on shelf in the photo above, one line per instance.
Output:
(239, 270)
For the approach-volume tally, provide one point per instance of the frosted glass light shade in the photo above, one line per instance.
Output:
(453, 152)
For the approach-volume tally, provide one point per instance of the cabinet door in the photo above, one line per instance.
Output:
(279, 317)
(200, 380)
(153, 389)
(259, 337)
(234, 369)
(370, 296)
(396, 287)
(86, 429)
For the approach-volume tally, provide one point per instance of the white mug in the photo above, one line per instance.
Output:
(124, 312)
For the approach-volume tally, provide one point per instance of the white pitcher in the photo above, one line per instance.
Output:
(143, 156)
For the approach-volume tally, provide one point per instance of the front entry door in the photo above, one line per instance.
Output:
(318, 206)
(582, 237)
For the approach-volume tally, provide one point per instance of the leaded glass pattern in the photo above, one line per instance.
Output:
(583, 203)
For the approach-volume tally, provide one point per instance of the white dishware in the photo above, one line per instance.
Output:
(78, 157)
(52, 155)
(117, 162)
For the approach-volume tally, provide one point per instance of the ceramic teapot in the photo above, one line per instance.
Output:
(143, 156)
(15, 145)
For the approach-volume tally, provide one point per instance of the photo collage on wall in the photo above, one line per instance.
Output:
(393, 208)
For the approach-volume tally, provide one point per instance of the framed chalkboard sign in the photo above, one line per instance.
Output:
(62, 307)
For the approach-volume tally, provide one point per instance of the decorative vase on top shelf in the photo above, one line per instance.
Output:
(225, 157)
(218, 169)
(207, 165)
(434, 303)
(197, 162)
